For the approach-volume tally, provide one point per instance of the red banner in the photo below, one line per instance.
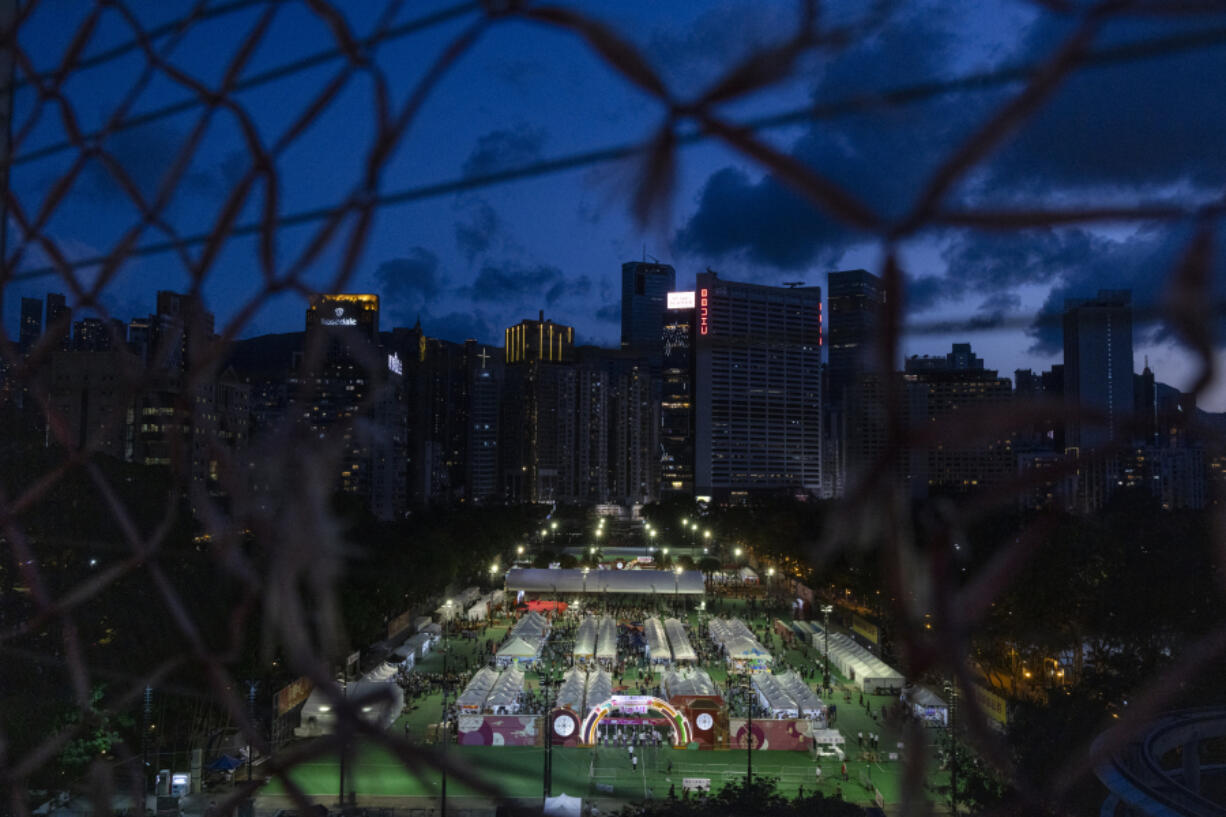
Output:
(782, 735)
(499, 730)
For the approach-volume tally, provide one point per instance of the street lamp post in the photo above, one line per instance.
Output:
(827, 609)
(443, 751)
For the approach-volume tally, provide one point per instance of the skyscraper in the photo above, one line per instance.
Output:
(645, 288)
(757, 390)
(58, 319)
(31, 324)
(357, 399)
(677, 396)
(1098, 368)
(956, 394)
(856, 298)
(538, 411)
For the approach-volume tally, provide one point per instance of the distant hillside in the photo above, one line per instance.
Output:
(265, 355)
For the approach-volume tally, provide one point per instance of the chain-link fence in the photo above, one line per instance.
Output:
(167, 589)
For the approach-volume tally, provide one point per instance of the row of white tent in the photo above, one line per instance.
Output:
(596, 638)
(742, 650)
(376, 695)
(415, 647)
(688, 681)
(679, 641)
(581, 690)
(461, 601)
(524, 640)
(857, 664)
(657, 642)
(492, 691)
(787, 696)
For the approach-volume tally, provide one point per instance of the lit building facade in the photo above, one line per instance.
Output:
(757, 394)
(677, 396)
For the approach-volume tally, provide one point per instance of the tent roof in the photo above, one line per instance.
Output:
(517, 648)
(660, 582)
(563, 806)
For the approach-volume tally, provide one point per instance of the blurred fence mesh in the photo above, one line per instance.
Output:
(283, 590)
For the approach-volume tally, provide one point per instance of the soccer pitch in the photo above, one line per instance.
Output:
(606, 773)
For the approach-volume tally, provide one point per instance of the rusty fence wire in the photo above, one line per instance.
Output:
(284, 589)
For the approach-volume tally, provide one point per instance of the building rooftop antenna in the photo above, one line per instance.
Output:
(793, 284)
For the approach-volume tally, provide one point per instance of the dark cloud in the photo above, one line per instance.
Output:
(504, 148)
(408, 284)
(881, 157)
(459, 326)
(1141, 262)
(510, 280)
(476, 234)
(610, 313)
(1138, 125)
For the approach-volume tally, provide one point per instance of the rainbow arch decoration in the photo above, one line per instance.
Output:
(680, 724)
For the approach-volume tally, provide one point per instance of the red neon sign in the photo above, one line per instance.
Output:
(702, 312)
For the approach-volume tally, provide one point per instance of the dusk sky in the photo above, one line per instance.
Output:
(1148, 130)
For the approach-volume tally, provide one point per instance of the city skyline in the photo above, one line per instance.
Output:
(473, 262)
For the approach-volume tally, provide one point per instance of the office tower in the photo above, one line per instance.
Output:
(357, 399)
(616, 429)
(58, 321)
(91, 335)
(1145, 407)
(90, 395)
(541, 340)
(538, 411)
(645, 288)
(960, 396)
(677, 396)
(757, 390)
(1041, 397)
(1098, 369)
(485, 380)
(856, 298)
(31, 327)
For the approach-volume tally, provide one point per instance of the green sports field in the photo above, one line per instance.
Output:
(517, 772)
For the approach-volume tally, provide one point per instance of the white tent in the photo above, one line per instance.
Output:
(570, 694)
(563, 806)
(688, 681)
(472, 699)
(384, 702)
(585, 640)
(599, 688)
(807, 702)
(773, 697)
(606, 644)
(479, 611)
(860, 666)
(518, 651)
(926, 704)
(747, 575)
(657, 643)
(504, 695)
(679, 641)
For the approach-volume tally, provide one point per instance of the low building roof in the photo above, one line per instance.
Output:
(557, 580)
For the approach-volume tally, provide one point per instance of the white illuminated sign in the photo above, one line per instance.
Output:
(339, 322)
(681, 300)
(394, 365)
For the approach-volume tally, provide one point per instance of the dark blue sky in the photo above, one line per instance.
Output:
(474, 262)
